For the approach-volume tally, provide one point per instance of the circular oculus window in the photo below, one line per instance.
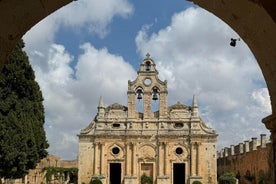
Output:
(179, 151)
(115, 150)
(147, 81)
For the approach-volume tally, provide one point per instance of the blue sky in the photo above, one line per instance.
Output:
(91, 48)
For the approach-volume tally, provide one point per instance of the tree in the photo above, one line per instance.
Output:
(22, 137)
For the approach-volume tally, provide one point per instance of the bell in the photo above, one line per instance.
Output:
(139, 94)
(233, 42)
(139, 97)
(155, 92)
(154, 97)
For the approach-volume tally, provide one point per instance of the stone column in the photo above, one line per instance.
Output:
(270, 123)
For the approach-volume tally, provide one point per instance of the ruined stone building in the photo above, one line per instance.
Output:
(38, 174)
(248, 160)
(169, 144)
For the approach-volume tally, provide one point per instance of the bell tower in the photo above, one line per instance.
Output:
(147, 89)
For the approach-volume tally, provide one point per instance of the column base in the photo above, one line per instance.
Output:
(163, 179)
(130, 179)
(191, 179)
(99, 177)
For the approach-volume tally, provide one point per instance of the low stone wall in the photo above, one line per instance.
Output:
(249, 160)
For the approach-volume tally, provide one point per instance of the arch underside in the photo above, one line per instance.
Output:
(254, 21)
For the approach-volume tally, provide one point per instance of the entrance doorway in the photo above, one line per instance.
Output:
(115, 173)
(178, 173)
(147, 169)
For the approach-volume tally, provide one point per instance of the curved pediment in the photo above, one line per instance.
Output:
(88, 128)
(116, 106)
(179, 105)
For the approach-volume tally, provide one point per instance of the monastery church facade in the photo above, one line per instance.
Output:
(171, 144)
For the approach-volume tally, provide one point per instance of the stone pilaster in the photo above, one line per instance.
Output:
(95, 166)
(197, 159)
(270, 123)
(193, 160)
(165, 158)
(163, 105)
(131, 104)
(127, 159)
(147, 105)
(102, 160)
(134, 160)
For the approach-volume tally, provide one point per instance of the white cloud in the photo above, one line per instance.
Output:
(194, 55)
(71, 97)
(93, 16)
(71, 94)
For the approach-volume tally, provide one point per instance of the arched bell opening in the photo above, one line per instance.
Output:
(155, 100)
(148, 66)
(139, 100)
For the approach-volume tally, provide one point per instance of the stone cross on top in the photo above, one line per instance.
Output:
(148, 55)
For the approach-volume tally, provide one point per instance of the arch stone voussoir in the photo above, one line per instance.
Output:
(254, 21)
(17, 17)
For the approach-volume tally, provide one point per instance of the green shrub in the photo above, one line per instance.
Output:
(227, 178)
(146, 179)
(95, 181)
(196, 182)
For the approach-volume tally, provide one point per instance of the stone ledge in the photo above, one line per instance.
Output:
(130, 177)
(163, 177)
(270, 122)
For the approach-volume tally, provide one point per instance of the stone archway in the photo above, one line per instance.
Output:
(17, 17)
(253, 20)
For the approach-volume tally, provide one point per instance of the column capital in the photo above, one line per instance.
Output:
(270, 122)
